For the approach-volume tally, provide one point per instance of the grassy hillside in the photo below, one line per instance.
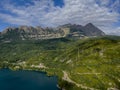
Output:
(79, 64)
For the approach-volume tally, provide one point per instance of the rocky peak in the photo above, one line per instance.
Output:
(89, 24)
(65, 25)
(92, 30)
(23, 28)
(38, 27)
(7, 29)
(72, 30)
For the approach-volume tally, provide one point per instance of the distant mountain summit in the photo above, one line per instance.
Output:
(67, 30)
(88, 30)
(91, 30)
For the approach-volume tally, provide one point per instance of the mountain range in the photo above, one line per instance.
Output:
(36, 33)
(79, 64)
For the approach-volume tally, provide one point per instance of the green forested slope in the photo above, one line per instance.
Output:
(80, 64)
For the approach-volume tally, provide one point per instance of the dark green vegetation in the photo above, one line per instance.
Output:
(92, 63)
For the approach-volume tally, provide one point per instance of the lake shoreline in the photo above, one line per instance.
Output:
(40, 71)
(32, 71)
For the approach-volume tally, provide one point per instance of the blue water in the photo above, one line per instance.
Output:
(26, 80)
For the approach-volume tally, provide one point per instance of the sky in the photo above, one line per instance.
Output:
(105, 14)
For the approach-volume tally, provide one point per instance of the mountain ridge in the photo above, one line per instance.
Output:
(67, 30)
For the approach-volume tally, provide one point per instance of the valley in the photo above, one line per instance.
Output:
(80, 64)
(60, 45)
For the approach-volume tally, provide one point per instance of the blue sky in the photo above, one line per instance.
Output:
(105, 14)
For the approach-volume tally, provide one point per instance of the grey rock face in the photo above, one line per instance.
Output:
(28, 32)
(91, 30)
(88, 30)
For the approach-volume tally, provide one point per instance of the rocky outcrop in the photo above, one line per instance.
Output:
(67, 30)
(91, 30)
(88, 30)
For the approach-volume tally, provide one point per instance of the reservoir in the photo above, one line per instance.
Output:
(26, 80)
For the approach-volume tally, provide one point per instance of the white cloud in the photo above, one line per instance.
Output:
(116, 5)
(115, 32)
(105, 2)
(44, 13)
